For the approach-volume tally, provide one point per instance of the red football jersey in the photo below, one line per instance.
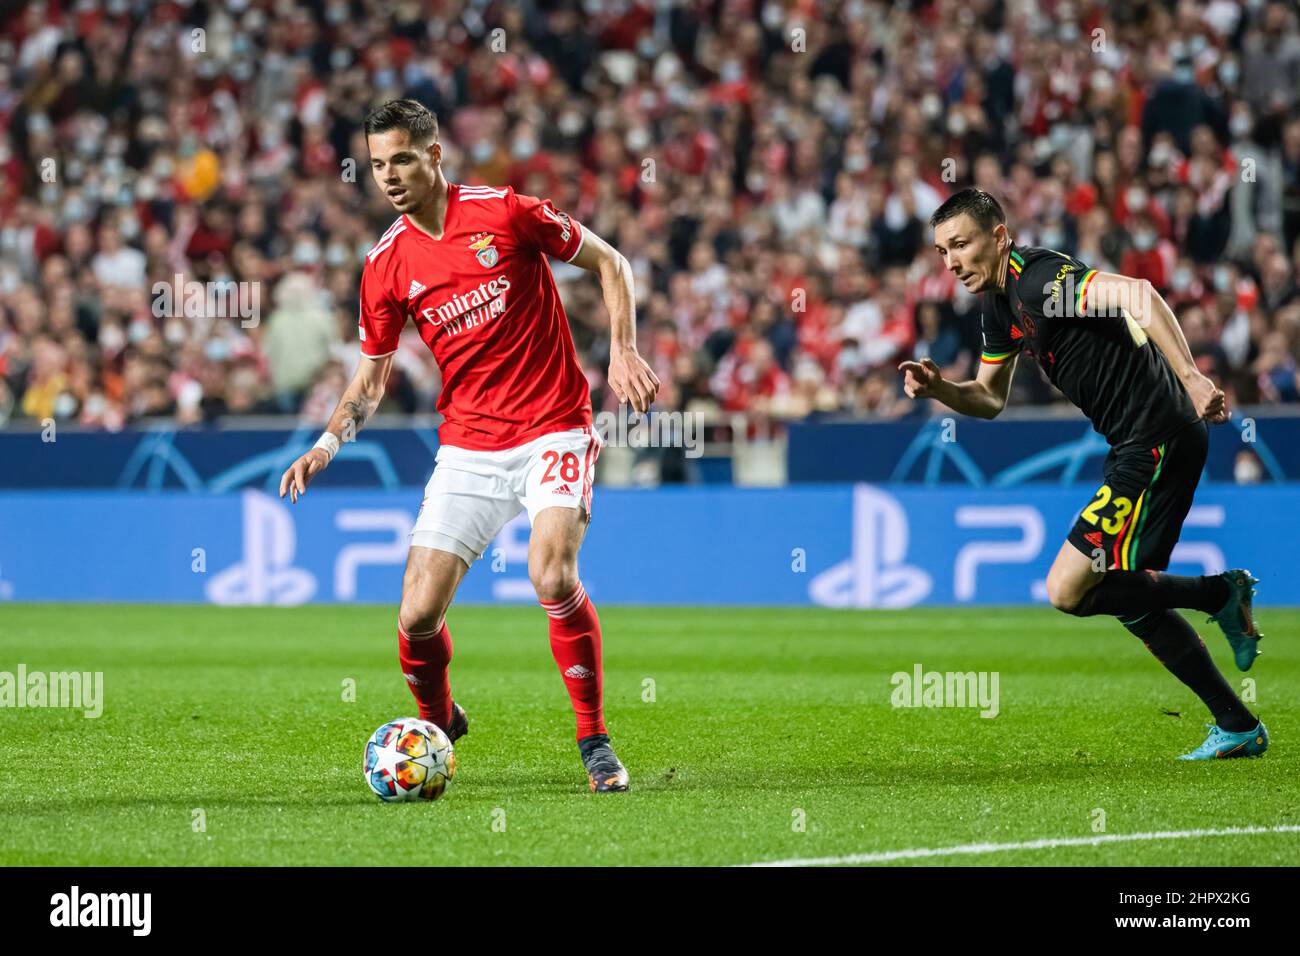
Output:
(485, 303)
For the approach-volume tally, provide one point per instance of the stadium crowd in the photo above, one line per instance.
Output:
(767, 168)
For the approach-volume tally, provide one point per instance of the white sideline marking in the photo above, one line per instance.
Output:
(973, 849)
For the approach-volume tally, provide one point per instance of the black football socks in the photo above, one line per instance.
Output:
(1175, 643)
(1127, 594)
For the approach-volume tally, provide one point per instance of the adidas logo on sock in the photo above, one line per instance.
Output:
(578, 671)
(414, 681)
(415, 290)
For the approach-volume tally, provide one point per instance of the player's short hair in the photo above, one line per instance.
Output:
(976, 203)
(411, 115)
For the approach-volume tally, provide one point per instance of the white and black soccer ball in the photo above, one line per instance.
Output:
(408, 759)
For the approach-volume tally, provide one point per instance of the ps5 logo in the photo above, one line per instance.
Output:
(1025, 549)
(874, 576)
(266, 574)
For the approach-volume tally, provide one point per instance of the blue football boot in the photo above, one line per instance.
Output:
(1237, 618)
(1222, 744)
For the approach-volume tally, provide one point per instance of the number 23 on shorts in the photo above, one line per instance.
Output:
(1120, 509)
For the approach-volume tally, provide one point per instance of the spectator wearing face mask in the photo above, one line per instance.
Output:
(1247, 468)
(1185, 285)
(1149, 257)
(1177, 103)
(1136, 200)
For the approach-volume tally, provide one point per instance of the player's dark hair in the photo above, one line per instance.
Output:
(976, 203)
(414, 117)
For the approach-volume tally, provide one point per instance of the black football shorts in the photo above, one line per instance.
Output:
(1136, 516)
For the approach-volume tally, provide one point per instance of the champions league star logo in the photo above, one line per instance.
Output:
(266, 575)
(874, 575)
(484, 251)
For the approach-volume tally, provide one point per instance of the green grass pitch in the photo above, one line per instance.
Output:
(770, 736)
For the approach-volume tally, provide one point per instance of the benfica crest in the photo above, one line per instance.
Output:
(484, 251)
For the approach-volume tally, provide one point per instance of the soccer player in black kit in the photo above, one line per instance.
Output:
(1114, 349)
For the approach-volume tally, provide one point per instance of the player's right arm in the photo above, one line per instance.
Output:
(982, 397)
(359, 401)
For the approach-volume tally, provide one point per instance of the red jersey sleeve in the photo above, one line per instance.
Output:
(539, 225)
(381, 321)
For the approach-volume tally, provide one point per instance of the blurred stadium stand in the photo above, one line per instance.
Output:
(766, 167)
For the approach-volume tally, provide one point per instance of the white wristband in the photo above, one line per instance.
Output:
(329, 443)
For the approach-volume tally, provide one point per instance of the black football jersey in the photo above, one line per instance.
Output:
(1103, 363)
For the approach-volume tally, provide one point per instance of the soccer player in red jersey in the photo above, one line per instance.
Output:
(467, 265)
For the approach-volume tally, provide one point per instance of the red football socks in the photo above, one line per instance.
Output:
(575, 643)
(425, 658)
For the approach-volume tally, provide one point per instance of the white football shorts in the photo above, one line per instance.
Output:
(472, 494)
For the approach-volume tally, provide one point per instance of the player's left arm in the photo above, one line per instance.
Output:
(630, 376)
(1108, 291)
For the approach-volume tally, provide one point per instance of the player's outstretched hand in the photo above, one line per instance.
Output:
(1209, 400)
(920, 378)
(632, 380)
(295, 478)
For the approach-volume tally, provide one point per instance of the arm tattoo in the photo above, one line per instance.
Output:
(357, 412)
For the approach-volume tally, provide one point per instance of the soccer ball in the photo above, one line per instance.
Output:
(408, 759)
